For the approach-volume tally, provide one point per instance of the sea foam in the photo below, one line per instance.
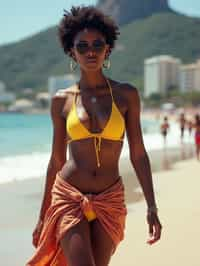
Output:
(34, 165)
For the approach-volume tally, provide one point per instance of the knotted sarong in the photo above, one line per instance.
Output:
(68, 207)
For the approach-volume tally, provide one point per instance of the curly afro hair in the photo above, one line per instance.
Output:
(82, 17)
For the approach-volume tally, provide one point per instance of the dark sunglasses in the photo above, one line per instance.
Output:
(83, 47)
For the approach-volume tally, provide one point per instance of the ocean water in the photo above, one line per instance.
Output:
(25, 144)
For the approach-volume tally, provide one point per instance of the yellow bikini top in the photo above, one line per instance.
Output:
(114, 129)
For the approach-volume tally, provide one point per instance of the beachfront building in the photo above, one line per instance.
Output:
(160, 74)
(6, 97)
(187, 77)
(190, 77)
(21, 105)
(60, 82)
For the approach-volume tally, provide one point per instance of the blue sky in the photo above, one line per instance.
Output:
(22, 18)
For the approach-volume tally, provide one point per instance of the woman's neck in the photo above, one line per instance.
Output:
(92, 80)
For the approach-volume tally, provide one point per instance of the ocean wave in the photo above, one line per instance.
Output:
(22, 167)
(34, 165)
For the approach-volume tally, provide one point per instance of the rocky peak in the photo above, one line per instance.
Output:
(125, 11)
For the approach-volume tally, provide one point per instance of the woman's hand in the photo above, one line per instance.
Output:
(37, 232)
(155, 228)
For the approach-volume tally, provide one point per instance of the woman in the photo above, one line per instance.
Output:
(82, 220)
(197, 135)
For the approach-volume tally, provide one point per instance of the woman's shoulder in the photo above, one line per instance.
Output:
(124, 87)
(61, 98)
(64, 93)
(128, 91)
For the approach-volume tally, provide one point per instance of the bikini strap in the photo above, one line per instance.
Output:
(110, 88)
(76, 93)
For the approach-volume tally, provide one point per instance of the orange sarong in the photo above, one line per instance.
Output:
(67, 209)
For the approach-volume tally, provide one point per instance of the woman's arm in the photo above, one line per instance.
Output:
(57, 160)
(138, 155)
(140, 161)
(58, 154)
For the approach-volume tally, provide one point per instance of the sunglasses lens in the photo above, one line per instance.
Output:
(82, 47)
(97, 46)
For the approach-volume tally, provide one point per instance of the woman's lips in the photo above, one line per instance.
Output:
(91, 60)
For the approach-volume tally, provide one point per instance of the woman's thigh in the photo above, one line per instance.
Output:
(76, 245)
(102, 244)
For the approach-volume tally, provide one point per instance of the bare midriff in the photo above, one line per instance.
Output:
(81, 171)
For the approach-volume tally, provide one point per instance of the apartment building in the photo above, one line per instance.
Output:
(160, 74)
(190, 77)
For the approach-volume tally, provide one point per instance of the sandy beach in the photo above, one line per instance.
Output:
(177, 193)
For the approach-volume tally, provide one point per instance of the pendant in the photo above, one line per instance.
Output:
(93, 99)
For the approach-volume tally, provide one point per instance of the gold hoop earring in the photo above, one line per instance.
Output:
(107, 63)
(73, 65)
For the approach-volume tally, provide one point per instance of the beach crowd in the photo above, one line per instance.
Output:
(191, 124)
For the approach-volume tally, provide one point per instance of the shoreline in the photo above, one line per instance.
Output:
(23, 200)
(160, 160)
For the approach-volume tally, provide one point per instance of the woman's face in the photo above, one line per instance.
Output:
(90, 49)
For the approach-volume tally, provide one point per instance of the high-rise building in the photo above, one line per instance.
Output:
(190, 77)
(160, 74)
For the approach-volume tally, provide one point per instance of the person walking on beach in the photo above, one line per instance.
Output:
(164, 128)
(190, 126)
(182, 123)
(197, 135)
(82, 217)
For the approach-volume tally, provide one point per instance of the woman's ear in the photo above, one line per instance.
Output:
(108, 52)
(72, 54)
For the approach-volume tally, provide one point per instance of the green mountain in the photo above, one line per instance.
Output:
(30, 62)
(167, 33)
